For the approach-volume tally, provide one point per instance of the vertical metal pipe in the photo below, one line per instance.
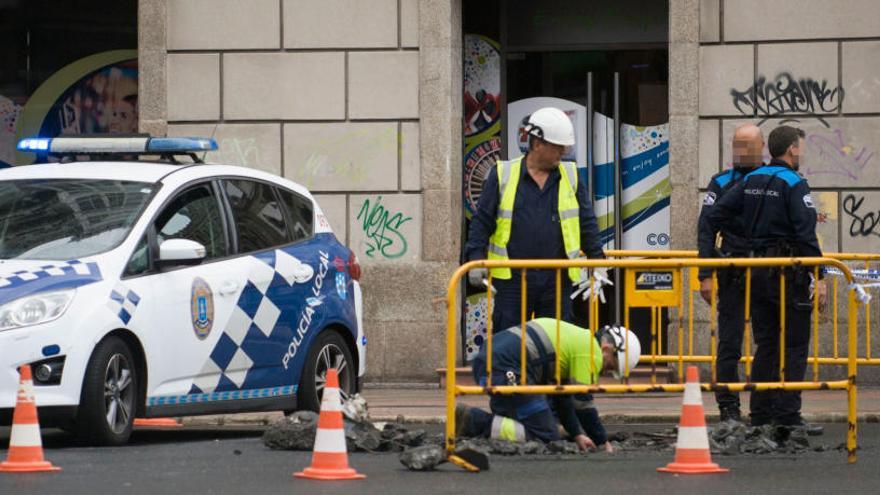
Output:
(681, 332)
(522, 320)
(589, 140)
(558, 327)
(782, 325)
(852, 371)
(489, 331)
(816, 325)
(713, 325)
(747, 331)
(618, 198)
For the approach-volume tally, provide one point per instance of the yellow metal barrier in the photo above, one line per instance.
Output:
(694, 286)
(675, 265)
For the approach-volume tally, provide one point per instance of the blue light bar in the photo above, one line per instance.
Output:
(33, 144)
(181, 145)
(109, 145)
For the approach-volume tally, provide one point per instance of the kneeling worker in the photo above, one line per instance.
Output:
(582, 358)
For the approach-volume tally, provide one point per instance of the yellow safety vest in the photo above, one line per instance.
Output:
(569, 214)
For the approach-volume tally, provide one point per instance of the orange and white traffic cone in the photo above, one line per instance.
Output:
(692, 454)
(157, 423)
(25, 444)
(329, 458)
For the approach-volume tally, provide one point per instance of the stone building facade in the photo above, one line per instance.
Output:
(360, 100)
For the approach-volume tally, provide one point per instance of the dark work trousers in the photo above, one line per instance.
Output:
(731, 320)
(781, 407)
(532, 411)
(540, 300)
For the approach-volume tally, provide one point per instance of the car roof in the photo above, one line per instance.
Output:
(129, 171)
(143, 171)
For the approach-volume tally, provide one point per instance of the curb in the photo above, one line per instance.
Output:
(610, 419)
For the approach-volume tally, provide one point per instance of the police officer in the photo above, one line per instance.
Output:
(780, 220)
(583, 357)
(533, 207)
(748, 146)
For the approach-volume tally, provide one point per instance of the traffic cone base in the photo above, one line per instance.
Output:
(692, 454)
(330, 457)
(25, 445)
(157, 423)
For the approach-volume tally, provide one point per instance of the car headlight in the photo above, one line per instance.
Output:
(35, 309)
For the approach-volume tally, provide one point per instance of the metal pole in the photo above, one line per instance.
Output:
(589, 140)
(618, 197)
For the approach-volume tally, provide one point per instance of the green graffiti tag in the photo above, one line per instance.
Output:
(382, 230)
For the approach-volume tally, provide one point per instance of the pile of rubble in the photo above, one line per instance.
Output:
(420, 451)
(297, 432)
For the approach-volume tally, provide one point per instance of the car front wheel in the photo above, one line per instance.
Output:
(328, 351)
(109, 395)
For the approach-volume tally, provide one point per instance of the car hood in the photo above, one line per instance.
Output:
(20, 278)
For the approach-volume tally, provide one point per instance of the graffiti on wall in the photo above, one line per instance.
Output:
(786, 94)
(835, 155)
(864, 221)
(382, 230)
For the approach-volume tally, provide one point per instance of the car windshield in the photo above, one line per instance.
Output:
(62, 219)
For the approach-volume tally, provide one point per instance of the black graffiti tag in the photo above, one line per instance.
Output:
(382, 231)
(864, 224)
(786, 95)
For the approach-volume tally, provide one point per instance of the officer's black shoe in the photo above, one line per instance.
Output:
(730, 414)
(812, 430)
(758, 421)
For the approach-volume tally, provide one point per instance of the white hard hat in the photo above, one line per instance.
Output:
(552, 125)
(626, 361)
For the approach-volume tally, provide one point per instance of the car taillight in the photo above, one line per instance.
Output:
(354, 268)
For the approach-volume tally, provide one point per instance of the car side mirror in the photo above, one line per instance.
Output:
(181, 252)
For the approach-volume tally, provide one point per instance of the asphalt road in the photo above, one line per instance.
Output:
(234, 461)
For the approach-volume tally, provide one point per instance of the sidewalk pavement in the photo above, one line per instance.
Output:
(428, 405)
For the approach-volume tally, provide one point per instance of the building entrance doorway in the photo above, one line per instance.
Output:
(603, 62)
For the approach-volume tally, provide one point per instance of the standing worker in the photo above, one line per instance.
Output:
(748, 148)
(582, 358)
(780, 221)
(537, 210)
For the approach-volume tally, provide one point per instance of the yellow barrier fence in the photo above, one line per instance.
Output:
(668, 295)
(693, 286)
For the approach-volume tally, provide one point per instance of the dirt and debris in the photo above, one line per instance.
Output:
(418, 448)
(424, 458)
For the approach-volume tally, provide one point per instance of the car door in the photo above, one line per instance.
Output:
(278, 280)
(193, 328)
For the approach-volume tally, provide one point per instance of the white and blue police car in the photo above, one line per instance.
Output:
(136, 285)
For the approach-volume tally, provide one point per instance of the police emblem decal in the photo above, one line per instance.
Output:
(202, 308)
(341, 288)
(709, 199)
(808, 201)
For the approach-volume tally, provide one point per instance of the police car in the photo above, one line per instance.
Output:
(138, 288)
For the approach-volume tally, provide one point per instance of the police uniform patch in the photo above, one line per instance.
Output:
(808, 201)
(709, 198)
(202, 308)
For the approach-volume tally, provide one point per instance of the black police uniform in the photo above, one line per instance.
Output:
(731, 287)
(780, 220)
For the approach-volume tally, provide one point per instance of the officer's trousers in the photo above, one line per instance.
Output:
(540, 301)
(731, 320)
(781, 407)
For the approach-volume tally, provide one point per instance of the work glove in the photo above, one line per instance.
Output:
(479, 277)
(589, 286)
